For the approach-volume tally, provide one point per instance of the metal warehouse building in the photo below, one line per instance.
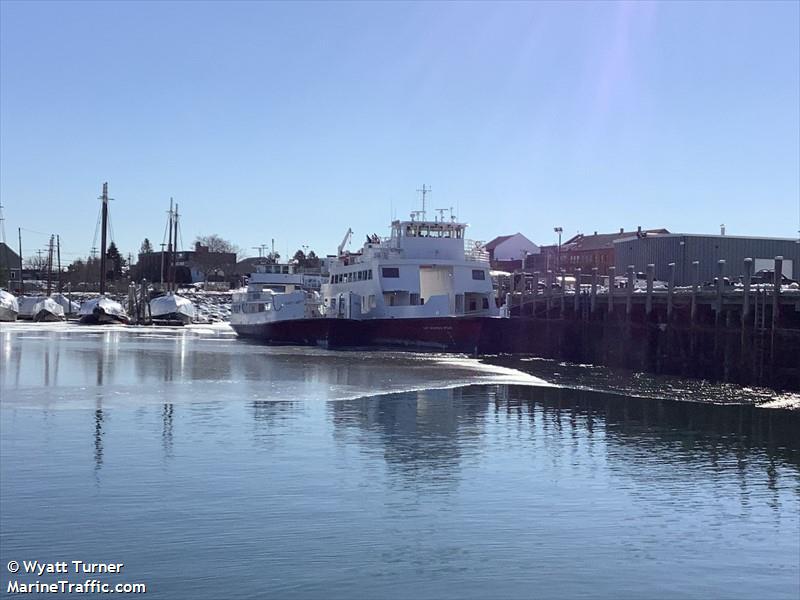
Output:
(682, 249)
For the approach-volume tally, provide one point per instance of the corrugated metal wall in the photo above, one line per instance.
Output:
(683, 249)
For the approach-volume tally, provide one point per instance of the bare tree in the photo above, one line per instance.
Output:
(213, 257)
(215, 243)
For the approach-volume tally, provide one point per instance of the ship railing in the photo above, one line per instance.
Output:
(475, 251)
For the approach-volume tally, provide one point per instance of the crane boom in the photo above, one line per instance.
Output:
(345, 240)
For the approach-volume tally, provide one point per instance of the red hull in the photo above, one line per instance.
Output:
(448, 334)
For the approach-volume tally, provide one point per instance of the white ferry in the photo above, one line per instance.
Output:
(425, 286)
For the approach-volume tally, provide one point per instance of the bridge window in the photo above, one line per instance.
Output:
(479, 274)
(391, 272)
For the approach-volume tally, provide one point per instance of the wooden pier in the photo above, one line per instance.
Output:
(748, 334)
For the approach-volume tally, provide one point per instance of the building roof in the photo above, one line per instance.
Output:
(248, 265)
(633, 236)
(498, 240)
(603, 241)
(8, 258)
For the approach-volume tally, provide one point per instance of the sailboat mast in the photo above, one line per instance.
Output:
(169, 246)
(175, 253)
(103, 240)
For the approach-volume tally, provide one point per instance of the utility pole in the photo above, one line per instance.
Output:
(50, 266)
(21, 279)
(559, 231)
(260, 249)
(60, 273)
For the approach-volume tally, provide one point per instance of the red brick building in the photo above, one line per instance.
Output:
(587, 251)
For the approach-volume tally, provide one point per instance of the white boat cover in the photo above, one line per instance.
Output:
(9, 307)
(27, 304)
(107, 305)
(64, 301)
(48, 305)
(171, 304)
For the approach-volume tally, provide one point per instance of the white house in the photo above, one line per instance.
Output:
(511, 248)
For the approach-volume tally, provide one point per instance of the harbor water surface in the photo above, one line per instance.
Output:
(216, 468)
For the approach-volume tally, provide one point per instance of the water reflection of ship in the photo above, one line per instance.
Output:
(424, 433)
(430, 432)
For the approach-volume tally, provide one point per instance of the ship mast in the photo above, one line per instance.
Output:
(104, 198)
(424, 191)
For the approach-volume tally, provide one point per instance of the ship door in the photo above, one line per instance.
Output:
(459, 304)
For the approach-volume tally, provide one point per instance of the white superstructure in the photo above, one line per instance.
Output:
(276, 292)
(423, 269)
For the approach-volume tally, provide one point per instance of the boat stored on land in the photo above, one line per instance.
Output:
(102, 311)
(9, 307)
(70, 307)
(40, 308)
(171, 309)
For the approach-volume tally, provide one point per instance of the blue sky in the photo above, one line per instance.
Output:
(296, 121)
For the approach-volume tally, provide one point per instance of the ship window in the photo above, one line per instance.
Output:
(391, 272)
(369, 274)
(485, 303)
(478, 274)
(361, 275)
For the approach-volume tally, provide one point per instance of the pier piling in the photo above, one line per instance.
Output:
(720, 288)
(651, 273)
(776, 290)
(695, 286)
(670, 290)
(748, 273)
(612, 275)
(629, 299)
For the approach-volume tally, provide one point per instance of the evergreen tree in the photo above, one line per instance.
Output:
(146, 247)
(115, 262)
(312, 260)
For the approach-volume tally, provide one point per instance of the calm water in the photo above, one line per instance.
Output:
(214, 468)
